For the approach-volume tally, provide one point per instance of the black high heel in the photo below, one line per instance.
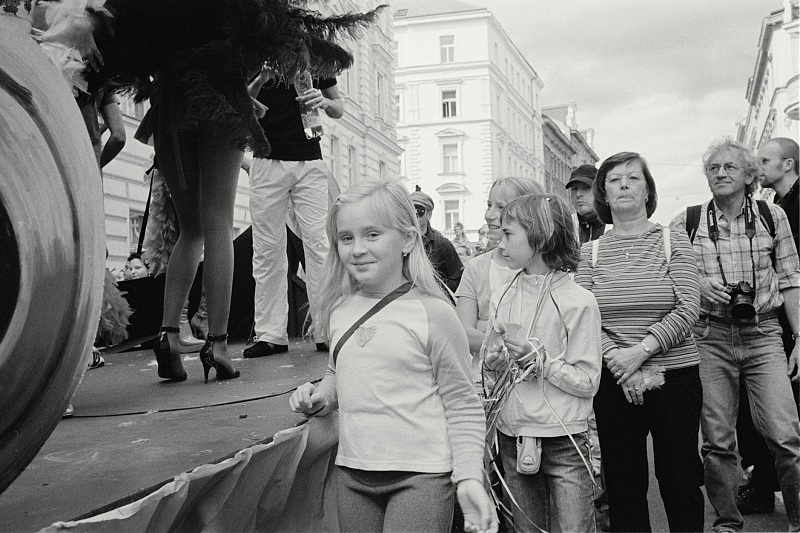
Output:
(224, 369)
(168, 357)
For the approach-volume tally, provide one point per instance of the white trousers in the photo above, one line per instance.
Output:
(278, 188)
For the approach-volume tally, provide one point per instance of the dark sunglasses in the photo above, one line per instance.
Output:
(420, 211)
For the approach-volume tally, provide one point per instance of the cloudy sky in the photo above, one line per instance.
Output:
(664, 78)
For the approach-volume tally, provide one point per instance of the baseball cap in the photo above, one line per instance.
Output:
(420, 198)
(584, 175)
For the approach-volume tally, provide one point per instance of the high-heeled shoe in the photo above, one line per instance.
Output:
(169, 357)
(224, 369)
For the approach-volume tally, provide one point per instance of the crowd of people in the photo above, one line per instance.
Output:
(584, 326)
(602, 318)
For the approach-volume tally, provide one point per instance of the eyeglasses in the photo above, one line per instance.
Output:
(730, 168)
(420, 211)
(616, 179)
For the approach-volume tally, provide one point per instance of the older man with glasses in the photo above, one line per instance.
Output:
(440, 250)
(748, 268)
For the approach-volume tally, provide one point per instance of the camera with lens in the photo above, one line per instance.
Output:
(742, 296)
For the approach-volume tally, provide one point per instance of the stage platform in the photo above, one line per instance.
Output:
(132, 431)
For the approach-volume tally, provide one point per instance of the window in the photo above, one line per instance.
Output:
(380, 94)
(447, 49)
(448, 104)
(333, 157)
(398, 106)
(134, 229)
(452, 211)
(450, 158)
(382, 170)
(352, 162)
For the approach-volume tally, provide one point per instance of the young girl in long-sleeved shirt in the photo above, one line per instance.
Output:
(542, 311)
(411, 423)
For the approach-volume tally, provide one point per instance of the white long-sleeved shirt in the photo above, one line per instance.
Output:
(405, 396)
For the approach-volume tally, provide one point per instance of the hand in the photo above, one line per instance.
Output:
(266, 74)
(714, 291)
(517, 347)
(623, 362)
(312, 99)
(307, 399)
(478, 509)
(494, 356)
(634, 388)
(792, 369)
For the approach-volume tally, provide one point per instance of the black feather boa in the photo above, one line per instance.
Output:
(211, 48)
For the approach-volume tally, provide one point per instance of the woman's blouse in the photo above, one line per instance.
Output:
(480, 279)
(639, 293)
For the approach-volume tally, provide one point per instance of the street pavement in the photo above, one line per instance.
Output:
(132, 431)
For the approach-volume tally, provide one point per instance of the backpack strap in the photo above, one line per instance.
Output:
(692, 221)
(766, 217)
(667, 244)
(595, 248)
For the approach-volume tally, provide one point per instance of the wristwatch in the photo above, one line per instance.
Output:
(795, 335)
(646, 347)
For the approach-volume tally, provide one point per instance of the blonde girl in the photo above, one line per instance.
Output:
(411, 424)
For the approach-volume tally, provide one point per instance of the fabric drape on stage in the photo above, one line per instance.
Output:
(285, 485)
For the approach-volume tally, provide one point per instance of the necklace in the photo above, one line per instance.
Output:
(628, 250)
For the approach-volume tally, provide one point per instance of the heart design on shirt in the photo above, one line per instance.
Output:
(363, 335)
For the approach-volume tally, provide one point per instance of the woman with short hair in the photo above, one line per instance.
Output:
(646, 283)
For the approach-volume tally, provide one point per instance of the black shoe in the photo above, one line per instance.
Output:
(170, 366)
(263, 349)
(751, 500)
(323, 347)
(224, 368)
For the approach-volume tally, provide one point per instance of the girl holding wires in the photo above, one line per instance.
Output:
(411, 423)
(543, 355)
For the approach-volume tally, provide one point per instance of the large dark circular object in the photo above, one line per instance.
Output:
(51, 244)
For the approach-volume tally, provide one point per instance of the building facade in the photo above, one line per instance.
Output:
(361, 143)
(558, 156)
(468, 108)
(772, 91)
(566, 147)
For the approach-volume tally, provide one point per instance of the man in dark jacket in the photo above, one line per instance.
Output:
(440, 250)
(580, 194)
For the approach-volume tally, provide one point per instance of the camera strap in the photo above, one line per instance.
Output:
(750, 231)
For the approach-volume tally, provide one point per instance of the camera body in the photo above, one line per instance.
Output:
(742, 296)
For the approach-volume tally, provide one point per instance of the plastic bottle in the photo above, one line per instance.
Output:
(312, 122)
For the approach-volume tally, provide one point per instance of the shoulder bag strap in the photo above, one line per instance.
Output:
(386, 300)
(667, 244)
(595, 248)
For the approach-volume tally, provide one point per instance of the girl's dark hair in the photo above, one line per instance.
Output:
(547, 219)
(599, 187)
(135, 255)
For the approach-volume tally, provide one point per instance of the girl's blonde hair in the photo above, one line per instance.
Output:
(389, 202)
(515, 186)
(547, 220)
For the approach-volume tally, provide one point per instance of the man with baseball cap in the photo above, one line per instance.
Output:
(440, 250)
(580, 194)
